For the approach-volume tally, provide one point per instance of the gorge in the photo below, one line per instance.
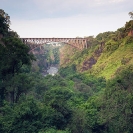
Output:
(92, 92)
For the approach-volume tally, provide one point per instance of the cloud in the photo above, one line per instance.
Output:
(80, 25)
(68, 18)
(103, 2)
(80, 4)
(55, 8)
(37, 9)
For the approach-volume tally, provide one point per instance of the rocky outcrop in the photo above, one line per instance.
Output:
(130, 33)
(66, 53)
(87, 64)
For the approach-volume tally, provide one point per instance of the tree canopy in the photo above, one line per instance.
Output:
(131, 14)
(13, 55)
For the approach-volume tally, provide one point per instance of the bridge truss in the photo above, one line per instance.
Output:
(79, 43)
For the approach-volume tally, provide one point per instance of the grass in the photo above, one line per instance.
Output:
(115, 55)
(113, 61)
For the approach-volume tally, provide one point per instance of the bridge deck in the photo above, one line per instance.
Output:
(80, 43)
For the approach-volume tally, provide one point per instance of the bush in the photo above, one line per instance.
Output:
(128, 39)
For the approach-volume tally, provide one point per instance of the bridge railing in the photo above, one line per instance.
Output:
(80, 43)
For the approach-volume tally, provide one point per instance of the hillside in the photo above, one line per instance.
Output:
(107, 53)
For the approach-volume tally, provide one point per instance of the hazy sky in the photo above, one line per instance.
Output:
(66, 18)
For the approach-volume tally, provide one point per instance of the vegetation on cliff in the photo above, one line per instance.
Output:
(107, 53)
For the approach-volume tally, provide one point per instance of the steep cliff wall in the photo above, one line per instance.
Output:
(108, 54)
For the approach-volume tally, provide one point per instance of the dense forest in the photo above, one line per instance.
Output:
(92, 92)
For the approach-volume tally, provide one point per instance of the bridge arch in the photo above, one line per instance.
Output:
(79, 43)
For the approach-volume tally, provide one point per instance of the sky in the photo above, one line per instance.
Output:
(66, 18)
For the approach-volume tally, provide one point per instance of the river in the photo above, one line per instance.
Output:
(52, 70)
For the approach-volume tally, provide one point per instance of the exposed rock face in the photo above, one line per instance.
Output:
(66, 53)
(38, 51)
(130, 33)
(93, 59)
(88, 63)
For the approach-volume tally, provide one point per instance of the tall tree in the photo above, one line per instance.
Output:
(131, 14)
(13, 53)
(4, 22)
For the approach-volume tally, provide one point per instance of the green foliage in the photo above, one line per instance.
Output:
(67, 71)
(70, 102)
(78, 122)
(19, 85)
(4, 22)
(104, 55)
(119, 34)
(52, 130)
(56, 55)
(131, 14)
(13, 55)
(27, 116)
(128, 40)
(93, 84)
(92, 108)
(103, 37)
(58, 99)
(116, 112)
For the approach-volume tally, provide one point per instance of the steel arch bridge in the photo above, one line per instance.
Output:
(79, 43)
